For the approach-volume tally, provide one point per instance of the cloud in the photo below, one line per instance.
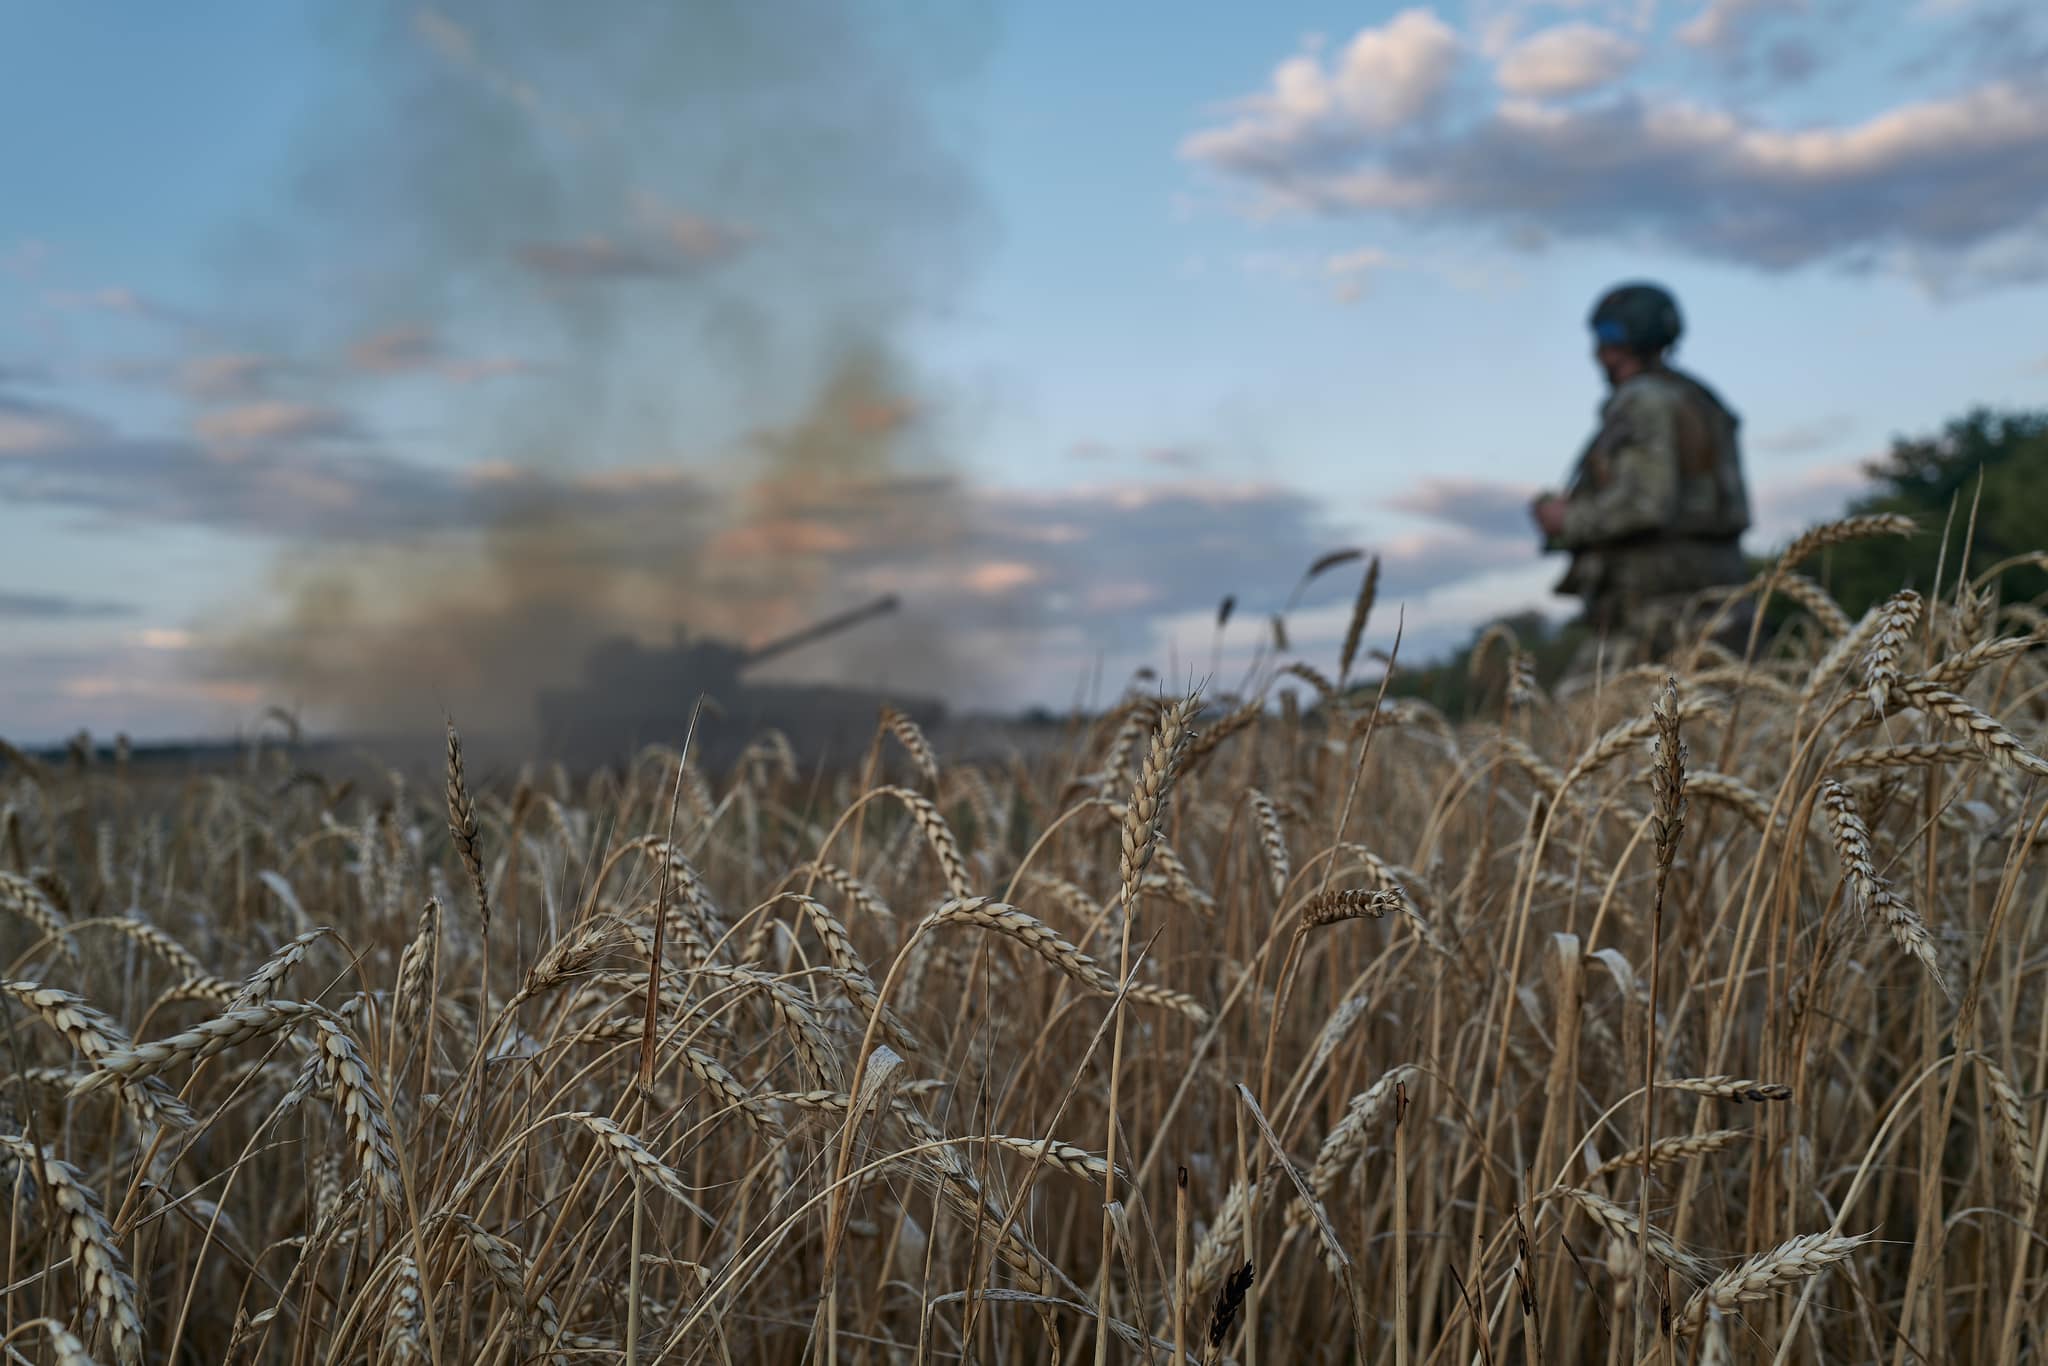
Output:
(1807, 437)
(1785, 506)
(25, 260)
(274, 420)
(410, 349)
(1385, 79)
(227, 375)
(694, 235)
(208, 377)
(1491, 517)
(1567, 60)
(57, 607)
(1066, 573)
(1117, 559)
(115, 299)
(130, 688)
(23, 374)
(27, 428)
(1352, 271)
(1791, 61)
(1724, 27)
(1483, 507)
(456, 44)
(395, 349)
(60, 459)
(1949, 191)
(486, 367)
(1178, 458)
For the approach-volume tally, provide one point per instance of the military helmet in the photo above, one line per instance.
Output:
(1639, 316)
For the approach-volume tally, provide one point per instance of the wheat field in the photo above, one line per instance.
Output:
(1679, 1013)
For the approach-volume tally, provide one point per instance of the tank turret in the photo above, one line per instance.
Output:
(633, 695)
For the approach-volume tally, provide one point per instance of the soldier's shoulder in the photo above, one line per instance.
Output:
(1691, 387)
(1651, 392)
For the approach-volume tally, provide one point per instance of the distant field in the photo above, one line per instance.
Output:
(1686, 1015)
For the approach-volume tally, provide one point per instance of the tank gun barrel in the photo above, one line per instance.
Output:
(817, 630)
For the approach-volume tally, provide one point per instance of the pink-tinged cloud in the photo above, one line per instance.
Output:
(1386, 78)
(226, 375)
(273, 420)
(1569, 59)
(1485, 507)
(115, 299)
(696, 236)
(31, 429)
(1000, 576)
(1725, 26)
(1788, 504)
(485, 368)
(395, 350)
(1949, 191)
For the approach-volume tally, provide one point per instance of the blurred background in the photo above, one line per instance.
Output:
(382, 361)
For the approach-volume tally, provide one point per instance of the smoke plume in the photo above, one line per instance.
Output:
(638, 276)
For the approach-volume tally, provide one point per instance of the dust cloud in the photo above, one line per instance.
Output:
(636, 281)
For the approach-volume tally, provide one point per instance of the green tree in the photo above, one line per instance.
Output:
(1924, 477)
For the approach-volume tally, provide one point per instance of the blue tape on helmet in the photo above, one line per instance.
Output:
(1611, 333)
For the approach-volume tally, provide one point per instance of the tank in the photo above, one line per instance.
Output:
(632, 695)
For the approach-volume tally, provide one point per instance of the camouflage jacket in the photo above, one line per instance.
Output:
(1657, 506)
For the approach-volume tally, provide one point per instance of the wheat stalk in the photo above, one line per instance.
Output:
(2015, 1146)
(361, 1106)
(631, 1154)
(1341, 904)
(1895, 620)
(1841, 532)
(237, 1026)
(1666, 1151)
(404, 1334)
(94, 1037)
(96, 1260)
(914, 743)
(1992, 739)
(416, 972)
(1728, 1088)
(462, 828)
(1852, 847)
(1629, 1229)
(21, 896)
(1272, 840)
(1763, 1276)
(261, 983)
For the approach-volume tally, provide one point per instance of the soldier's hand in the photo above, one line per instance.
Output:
(1549, 515)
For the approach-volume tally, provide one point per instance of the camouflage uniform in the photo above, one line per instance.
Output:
(1656, 509)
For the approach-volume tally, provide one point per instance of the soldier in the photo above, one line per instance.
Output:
(1656, 507)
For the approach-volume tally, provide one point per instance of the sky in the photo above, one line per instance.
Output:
(376, 359)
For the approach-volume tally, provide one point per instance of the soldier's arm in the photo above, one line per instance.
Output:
(1642, 493)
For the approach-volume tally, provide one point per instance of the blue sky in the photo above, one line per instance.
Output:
(340, 343)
